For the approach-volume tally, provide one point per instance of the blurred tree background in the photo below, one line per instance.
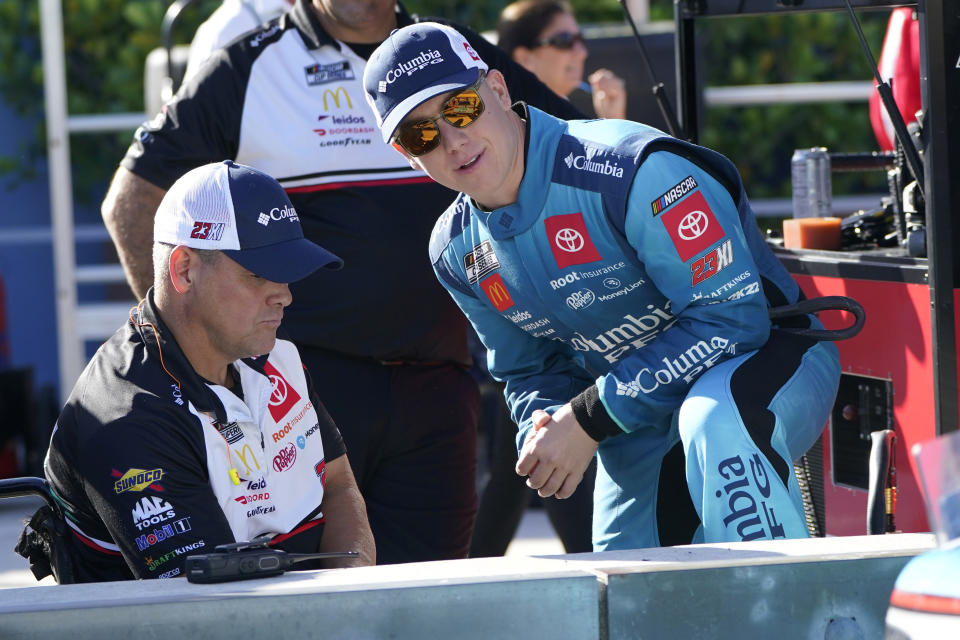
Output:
(107, 41)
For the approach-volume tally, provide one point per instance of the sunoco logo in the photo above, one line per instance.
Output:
(582, 163)
(136, 479)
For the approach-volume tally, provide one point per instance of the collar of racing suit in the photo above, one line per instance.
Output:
(541, 136)
(160, 343)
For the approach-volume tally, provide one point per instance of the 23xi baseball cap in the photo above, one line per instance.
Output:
(244, 213)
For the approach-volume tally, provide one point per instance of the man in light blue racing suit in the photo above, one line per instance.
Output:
(621, 286)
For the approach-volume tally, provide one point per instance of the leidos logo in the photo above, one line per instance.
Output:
(284, 397)
(582, 163)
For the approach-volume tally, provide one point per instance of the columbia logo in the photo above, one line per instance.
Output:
(569, 160)
(382, 86)
(263, 219)
(630, 389)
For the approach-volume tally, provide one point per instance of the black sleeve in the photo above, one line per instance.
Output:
(333, 444)
(147, 478)
(523, 85)
(201, 124)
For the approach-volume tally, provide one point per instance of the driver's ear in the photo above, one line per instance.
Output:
(498, 85)
(406, 155)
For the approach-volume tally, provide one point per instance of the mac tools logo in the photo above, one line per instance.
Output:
(151, 510)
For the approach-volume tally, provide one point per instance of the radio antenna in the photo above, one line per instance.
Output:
(890, 105)
(673, 126)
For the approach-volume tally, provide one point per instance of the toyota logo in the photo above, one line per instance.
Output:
(693, 225)
(279, 394)
(569, 240)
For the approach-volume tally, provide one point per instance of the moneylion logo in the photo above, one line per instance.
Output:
(582, 163)
(334, 95)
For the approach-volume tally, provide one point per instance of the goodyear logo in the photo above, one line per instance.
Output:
(137, 480)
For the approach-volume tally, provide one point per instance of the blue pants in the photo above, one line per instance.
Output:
(740, 428)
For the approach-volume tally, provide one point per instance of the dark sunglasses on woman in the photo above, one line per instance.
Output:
(461, 110)
(562, 40)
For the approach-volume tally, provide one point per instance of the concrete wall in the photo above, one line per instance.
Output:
(817, 588)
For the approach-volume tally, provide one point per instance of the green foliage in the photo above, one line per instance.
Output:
(810, 47)
(482, 16)
(105, 43)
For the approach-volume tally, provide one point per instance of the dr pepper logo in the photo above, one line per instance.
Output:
(284, 396)
(569, 240)
(692, 226)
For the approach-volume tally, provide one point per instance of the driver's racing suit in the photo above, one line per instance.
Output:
(630, 279)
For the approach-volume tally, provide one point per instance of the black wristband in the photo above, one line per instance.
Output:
(593, 416)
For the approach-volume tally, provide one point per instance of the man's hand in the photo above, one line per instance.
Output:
(609, 94)
(556, 453)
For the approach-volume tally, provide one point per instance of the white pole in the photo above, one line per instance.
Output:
(639, 11)
(61, 193)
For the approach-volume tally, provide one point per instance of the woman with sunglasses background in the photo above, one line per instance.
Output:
(544, 37)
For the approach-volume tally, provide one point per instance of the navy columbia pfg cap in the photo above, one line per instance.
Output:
(414, 64)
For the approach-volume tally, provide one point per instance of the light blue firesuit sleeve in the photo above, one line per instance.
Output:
(715, 320)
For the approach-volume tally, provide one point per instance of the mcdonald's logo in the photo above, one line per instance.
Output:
(242, 454)
(335, 94)
(497, 292)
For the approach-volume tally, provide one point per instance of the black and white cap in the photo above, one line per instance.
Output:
(244, 213)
